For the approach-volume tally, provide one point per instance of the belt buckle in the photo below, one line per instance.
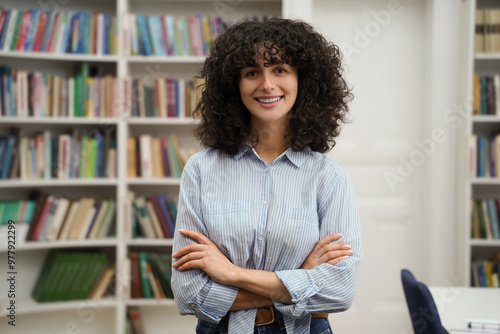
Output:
(270, 321)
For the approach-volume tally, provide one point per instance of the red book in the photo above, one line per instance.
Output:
(40, 199)
(39, 33)
(136, 276)
(2, 21)
(43, 217)
(53, 33)
(24, 30)
(161, 218)
(165, 35)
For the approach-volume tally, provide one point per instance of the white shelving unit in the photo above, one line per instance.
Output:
(107, 315)
(474, 187)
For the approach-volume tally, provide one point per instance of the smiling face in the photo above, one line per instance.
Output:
(268, 92)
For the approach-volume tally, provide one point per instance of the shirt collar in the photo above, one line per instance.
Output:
(295, 157)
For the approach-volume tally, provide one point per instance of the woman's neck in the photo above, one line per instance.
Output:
(271, 143)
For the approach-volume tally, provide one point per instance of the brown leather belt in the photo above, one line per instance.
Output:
(268, 315)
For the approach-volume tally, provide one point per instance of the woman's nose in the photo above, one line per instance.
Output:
(267, 83)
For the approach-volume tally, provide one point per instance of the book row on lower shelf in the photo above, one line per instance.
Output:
(486, 272)
(59, 218)
(150, 217)
(81, 154)
(149, 156)
(74, 275)
(92, 94)
(483, 156)
(485, 219)
(150, 275)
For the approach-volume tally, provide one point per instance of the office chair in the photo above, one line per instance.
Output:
(423, 311)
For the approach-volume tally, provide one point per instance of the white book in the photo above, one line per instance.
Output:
(100, 32)
(69, 221)
(145, 142)
(111, 167)
(55, 225)
(107, 220)
(127, 216)
(64, 157)
(154, 220)
(126, 33)
(10, 30)
(87, 220)
(22, 93)
(472, 156)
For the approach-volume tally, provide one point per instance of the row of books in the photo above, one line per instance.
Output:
(487, 30)
(149, 156)
(150, 275)
(166, 35)
(82, 154)
(60, 218)
(485, 218)
(483, 156)
(162, 97)
(486, 95)
(91, 94)
(87, 94)
(19, 211)
(73, 275)
(34, 30)
(486, 272)
(151, 217)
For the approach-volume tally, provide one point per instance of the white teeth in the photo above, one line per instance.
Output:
(271, 100)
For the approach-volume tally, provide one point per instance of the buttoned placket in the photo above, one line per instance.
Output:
(263, 214)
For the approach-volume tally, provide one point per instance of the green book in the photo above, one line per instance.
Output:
(92, 157)
(53, 291)
(173, 158)
(71, 270)
(46, 273)
(84, 74)
(161, 265)
(77, 96)
(17, 30)
(146, 287)
(84, 155)
(98, 265)
(149, 101)
(80, 276)
(2, 209)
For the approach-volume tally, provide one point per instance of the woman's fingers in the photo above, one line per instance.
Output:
(196, 236)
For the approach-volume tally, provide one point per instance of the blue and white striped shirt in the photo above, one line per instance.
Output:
(268, 217)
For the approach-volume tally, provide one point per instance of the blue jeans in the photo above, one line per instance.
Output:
(318, 326)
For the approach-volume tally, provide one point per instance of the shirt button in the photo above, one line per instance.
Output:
(266, 169)
(265, 202)
(260, 238)
(319, 284)
(192, 305)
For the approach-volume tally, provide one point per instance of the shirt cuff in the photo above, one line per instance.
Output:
(301, 286)
(217, 303)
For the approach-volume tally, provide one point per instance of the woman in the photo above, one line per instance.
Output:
(268, 237)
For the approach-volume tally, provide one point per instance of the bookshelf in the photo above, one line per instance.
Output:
(479, 245)
(107, 315)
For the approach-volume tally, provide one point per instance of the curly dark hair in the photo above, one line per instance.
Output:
(321, 104)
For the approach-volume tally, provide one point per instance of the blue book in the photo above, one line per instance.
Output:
(482, 156)
(493, 212)
(105, 39)
(144, 34)
(6, 161)
(32, 29)
(97, 208)
(48, 30)
(491, 146)
(10, 92)
(172, 36)
(66, 37)
(3, 150)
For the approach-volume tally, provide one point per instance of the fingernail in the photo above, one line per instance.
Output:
(338, 235)
(181, 230)
(345, 257)
(347, 246)
(349, 252)
(173, 255)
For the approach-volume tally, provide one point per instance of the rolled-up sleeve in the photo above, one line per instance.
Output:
(328, 288)
(194, 291)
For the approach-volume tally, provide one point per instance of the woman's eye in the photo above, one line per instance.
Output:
(280, 70)
(251, 74)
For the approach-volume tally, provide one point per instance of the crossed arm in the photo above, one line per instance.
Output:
(257, 288)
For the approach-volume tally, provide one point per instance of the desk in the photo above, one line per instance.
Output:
(455, 304)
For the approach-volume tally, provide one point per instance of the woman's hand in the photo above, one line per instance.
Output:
(325, 252)
(205, 256)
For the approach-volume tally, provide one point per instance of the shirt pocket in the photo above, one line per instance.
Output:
(229, 225)
(293, 233)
